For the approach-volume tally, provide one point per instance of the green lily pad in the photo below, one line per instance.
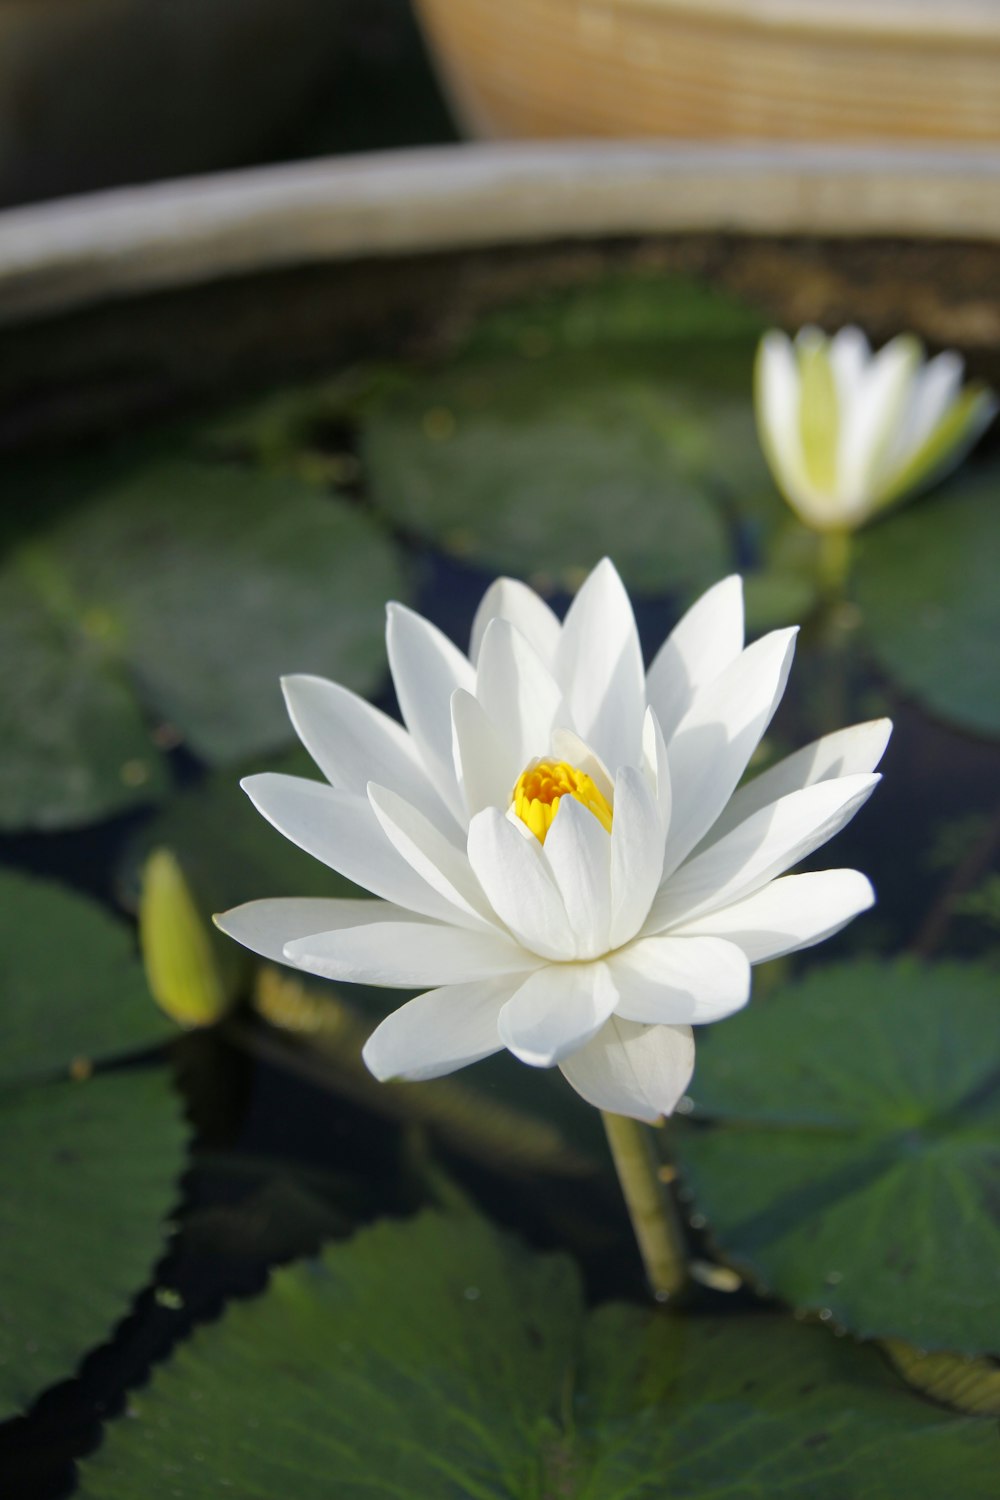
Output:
(91, 1170)
(438, 1359)
(850, 1161)
(172, 594)
(637, 307)
(72, 988)
(76, 743)
(612, 420)
(927, 584)
(91, 1165)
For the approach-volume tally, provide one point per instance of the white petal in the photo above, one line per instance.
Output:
(777, 397)
(507, 599)
(406, 955)
(717, 736)
(341, 829)
(599, 668)
(656, 765)
(881, 403)
(426, 669)
(577, 851)
(759, 849)
(434, 858)
(486, 764)
(569, 747)
(627, 1069)
(673, 980)
(354, 743)
(556, 1010)
(637, 836)
(439, 1031)
(791, 913)
(517, 690)
(266, 926)
(700, 646)
(849, 356)
(847, 752)
(934, 389)
(849, 353)
(518, 885)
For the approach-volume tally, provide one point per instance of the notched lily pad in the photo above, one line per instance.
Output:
(162, 605)
(849, 1155)
(90, 1165)
(437, 1358)
(927, 584)
(91, 1169)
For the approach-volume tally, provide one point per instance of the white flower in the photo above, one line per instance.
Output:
(848, 433)
(557, 838)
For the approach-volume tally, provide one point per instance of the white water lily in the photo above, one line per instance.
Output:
(848, 433)
(563, 857)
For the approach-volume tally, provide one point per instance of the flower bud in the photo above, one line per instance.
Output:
(178, 949)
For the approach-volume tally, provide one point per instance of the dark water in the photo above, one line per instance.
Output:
(281, 1163)
(258, 1125)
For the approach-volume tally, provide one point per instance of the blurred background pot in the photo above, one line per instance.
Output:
(801, 70)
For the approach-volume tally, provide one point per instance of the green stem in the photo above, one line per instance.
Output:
(834, 561)
(657, 1228)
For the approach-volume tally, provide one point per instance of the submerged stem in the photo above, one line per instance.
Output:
(657, 1228)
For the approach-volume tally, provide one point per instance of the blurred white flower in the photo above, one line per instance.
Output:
(848, 433)
(557, 841)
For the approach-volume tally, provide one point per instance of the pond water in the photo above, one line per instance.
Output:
(170, 552)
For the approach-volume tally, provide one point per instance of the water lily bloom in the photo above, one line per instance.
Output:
(564, 859)
(848, 433)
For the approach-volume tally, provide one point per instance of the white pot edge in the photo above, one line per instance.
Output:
(72, 252)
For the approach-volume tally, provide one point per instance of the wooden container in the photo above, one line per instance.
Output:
(798, 70)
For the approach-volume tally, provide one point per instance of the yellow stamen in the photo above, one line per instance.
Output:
(539, 790)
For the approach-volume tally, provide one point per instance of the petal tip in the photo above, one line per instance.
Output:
(369, 1056)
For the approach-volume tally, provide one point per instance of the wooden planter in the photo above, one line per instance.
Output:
(796, 70)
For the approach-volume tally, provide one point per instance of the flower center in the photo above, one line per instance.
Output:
(541, 787)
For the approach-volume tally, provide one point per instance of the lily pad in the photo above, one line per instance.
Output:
(72, 989)
(927, 585)
(76, 743)
(91, 1163)
(91, 1171)
(172, 594)
(613, 420)
(439, 1359)
(846, 1149)
(638, 307)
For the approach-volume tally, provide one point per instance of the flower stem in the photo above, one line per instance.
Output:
(657, 1228)
(834, 561)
